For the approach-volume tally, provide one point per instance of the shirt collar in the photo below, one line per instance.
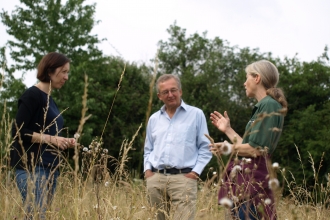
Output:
(262, 100)
(183, 105)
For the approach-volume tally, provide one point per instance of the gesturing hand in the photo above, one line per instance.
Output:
(219, 121)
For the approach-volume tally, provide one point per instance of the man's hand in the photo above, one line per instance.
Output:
(148, 174)
(192, 175)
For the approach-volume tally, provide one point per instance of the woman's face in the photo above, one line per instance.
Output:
(60, 76)
(250, 85)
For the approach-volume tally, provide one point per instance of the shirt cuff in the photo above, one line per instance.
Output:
(147, 166)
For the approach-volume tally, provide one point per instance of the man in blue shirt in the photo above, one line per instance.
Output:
(175, 152)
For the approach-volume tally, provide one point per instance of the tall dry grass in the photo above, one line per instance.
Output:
(89, 191)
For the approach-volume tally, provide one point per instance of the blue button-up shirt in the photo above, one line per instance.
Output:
(177, 142)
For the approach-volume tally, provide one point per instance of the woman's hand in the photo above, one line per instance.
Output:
(219, 121)
(221, 148)
(62, 142)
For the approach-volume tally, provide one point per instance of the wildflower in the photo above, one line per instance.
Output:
(268, 201)
(273, 183)
(85, 149)
(214, 173)
(105, 151)
(76, 135)
(235, 199)
(234, 171)
(247, 170)
(226, 148)
(114, 207)
(237, 168)
(226, 202)
(95, 206)
(106, 184)
(275, 165)
(246, 160)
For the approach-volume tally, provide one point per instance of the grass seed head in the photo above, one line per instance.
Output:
(226, 202)
(273, 183)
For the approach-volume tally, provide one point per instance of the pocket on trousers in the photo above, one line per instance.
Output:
(150, 177)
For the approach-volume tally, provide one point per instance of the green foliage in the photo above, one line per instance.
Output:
(127, 113)
(307, 123)
(10, 87)
(41, 26)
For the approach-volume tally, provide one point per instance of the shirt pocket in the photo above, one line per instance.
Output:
(186, 134)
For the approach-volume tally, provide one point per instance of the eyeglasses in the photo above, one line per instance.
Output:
(166, 92)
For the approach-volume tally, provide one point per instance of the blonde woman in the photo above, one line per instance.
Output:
(247, 184)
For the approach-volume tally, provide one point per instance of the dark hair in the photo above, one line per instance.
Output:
(49, 63)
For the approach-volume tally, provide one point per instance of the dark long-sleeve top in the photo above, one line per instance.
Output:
(33, 115)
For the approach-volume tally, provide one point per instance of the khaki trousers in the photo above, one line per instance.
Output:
(173, 196)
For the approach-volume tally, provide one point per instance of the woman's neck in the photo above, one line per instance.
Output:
(45, 87)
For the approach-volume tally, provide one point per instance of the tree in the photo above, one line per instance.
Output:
(307, 88)
(42, 26)
(10, 87)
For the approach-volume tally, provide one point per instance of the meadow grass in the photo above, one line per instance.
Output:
(112, 198)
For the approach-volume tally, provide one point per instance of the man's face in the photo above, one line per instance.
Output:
(170, 93)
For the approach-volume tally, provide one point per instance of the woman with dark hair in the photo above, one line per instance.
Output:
(36, 152)
(248, 181)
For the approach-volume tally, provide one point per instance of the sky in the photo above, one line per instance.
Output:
(133, 28)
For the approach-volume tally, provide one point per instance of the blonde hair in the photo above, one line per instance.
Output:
(269, 78)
